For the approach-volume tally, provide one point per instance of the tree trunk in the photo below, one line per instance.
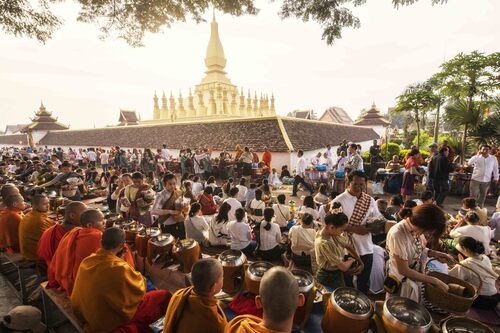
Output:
(436, 123)
(466, 128)
(417, 120)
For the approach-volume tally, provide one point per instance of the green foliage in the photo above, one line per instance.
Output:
(131, 19)
(366, 155)
(453, 141)
(391, 150)
(425, 140)
(397, 141)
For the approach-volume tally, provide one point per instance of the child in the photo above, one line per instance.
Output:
(475, 258)
(241, 233)
(196, 226)
(273, 178)
(269, 237)
(250, 195)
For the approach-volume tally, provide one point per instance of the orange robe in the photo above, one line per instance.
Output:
(190, 312)
(75, 246)
(266, 158)
(49, 242)
(255, 157)
(247, 324)
(10, 218)
(107, 292)
(30, 230)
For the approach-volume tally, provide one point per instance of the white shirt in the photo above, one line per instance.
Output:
(269, 239)
(160, 199)
(480, 233)
(197, 187)
(281, 214)
(218, 234)
(235, 204)
(302, 239)
(242, 192)
(258, 204)
(104, 158)
(484, 168)
(362, 243)
(165, 154)
(482, 265)
(301, 166)
(92, 156)
(329, 152)
(196, 228)
(312, 211)
(240, 233)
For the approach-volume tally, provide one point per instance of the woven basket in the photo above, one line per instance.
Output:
(450, 302)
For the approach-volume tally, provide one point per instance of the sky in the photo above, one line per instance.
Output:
(85, 81)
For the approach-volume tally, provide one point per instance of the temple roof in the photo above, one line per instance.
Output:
(372, 118)
(337, 115)
(14, 139)
(215, 59)
(44, 121)
(14, 129)
(128, 118)
(301, 114)
(280, 134)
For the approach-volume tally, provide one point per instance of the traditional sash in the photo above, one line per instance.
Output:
(170, 204)
(360, 209)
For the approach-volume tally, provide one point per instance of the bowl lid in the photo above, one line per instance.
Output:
(232, 258)
(258, 268)
(304, 279)
(186, 244)
(153, 231)
(162, 239)
(351, 301)
(408, 312)
(464, 325)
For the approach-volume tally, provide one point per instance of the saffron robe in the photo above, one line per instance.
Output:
(49, 242)
(30, 230)
(247, 324)
(190, 312)
(10, 218)
(266, 158)
(75, 246)
(107, 292)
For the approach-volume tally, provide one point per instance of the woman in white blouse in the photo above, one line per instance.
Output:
(321, 198)
(269, 238)
(241, 233)
(302, 242)
(470, 227)
(196, 226)
(218, 234)
(406, 245)
(308, 206)
(257, 207)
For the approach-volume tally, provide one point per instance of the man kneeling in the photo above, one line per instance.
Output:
(110, 296)
(279, 298)
(195, 309)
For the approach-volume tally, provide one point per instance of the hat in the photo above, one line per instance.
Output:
(24, 317)
(433, 145)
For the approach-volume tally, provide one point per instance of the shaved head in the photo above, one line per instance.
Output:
(92, 218)
(13, 199)
(279, 294)
(205, 274)
(73, 212)
(112, 238)
(8, 189)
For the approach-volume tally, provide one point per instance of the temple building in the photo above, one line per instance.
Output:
(216, 97)
(372, 118)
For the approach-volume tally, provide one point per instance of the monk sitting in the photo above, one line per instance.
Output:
(51, 237)
(7, 189)
(195, 309)
(110, 296)
(10, 218)
(75, 246)
(279, 298)
(33, 225)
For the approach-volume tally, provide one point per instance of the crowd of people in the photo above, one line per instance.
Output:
(346, 238)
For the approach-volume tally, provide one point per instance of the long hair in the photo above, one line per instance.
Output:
(223, 216)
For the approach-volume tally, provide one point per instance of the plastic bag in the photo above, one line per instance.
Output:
(378, 188)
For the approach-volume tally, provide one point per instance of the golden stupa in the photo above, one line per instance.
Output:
(215, 97)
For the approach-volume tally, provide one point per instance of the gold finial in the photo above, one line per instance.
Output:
(373, 105)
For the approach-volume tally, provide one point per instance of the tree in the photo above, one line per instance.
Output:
(131, 19)
(416, 99)
(469, 78)
(435, 83)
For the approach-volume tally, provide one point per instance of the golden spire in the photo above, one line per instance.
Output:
(156, 108)
(215, 59)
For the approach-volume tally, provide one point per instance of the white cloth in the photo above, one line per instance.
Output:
(218, 234)
(160, 199)
(91, 155)
(197, 228)
(281, 214)
(197, 187)
(482, 265)
(377, 276)
(341, 163)
(312, 211)
(274, 179)
(240, 233)
(480, 233)
(362, 243)
(242, 192)
(269, 238)
(484, 168)
(302, 239)
(258, 204)
(104, 158)
(300, 167)
(329, 152)
(235, 204)
(165, 154)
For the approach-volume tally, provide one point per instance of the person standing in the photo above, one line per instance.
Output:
(411, 172)
(433, 152)
(267, 157)
(300, 170)
(441, 175)
(374, 158)
(485, 167)
(105, 161)
(354, 161)
(359, 207)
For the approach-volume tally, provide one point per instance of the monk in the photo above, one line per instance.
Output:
(279, 298)
(33, 225)
(10, 218)
(7, 189)
(51, 237)
(195, 309)
(110, 296)
(267, 157)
